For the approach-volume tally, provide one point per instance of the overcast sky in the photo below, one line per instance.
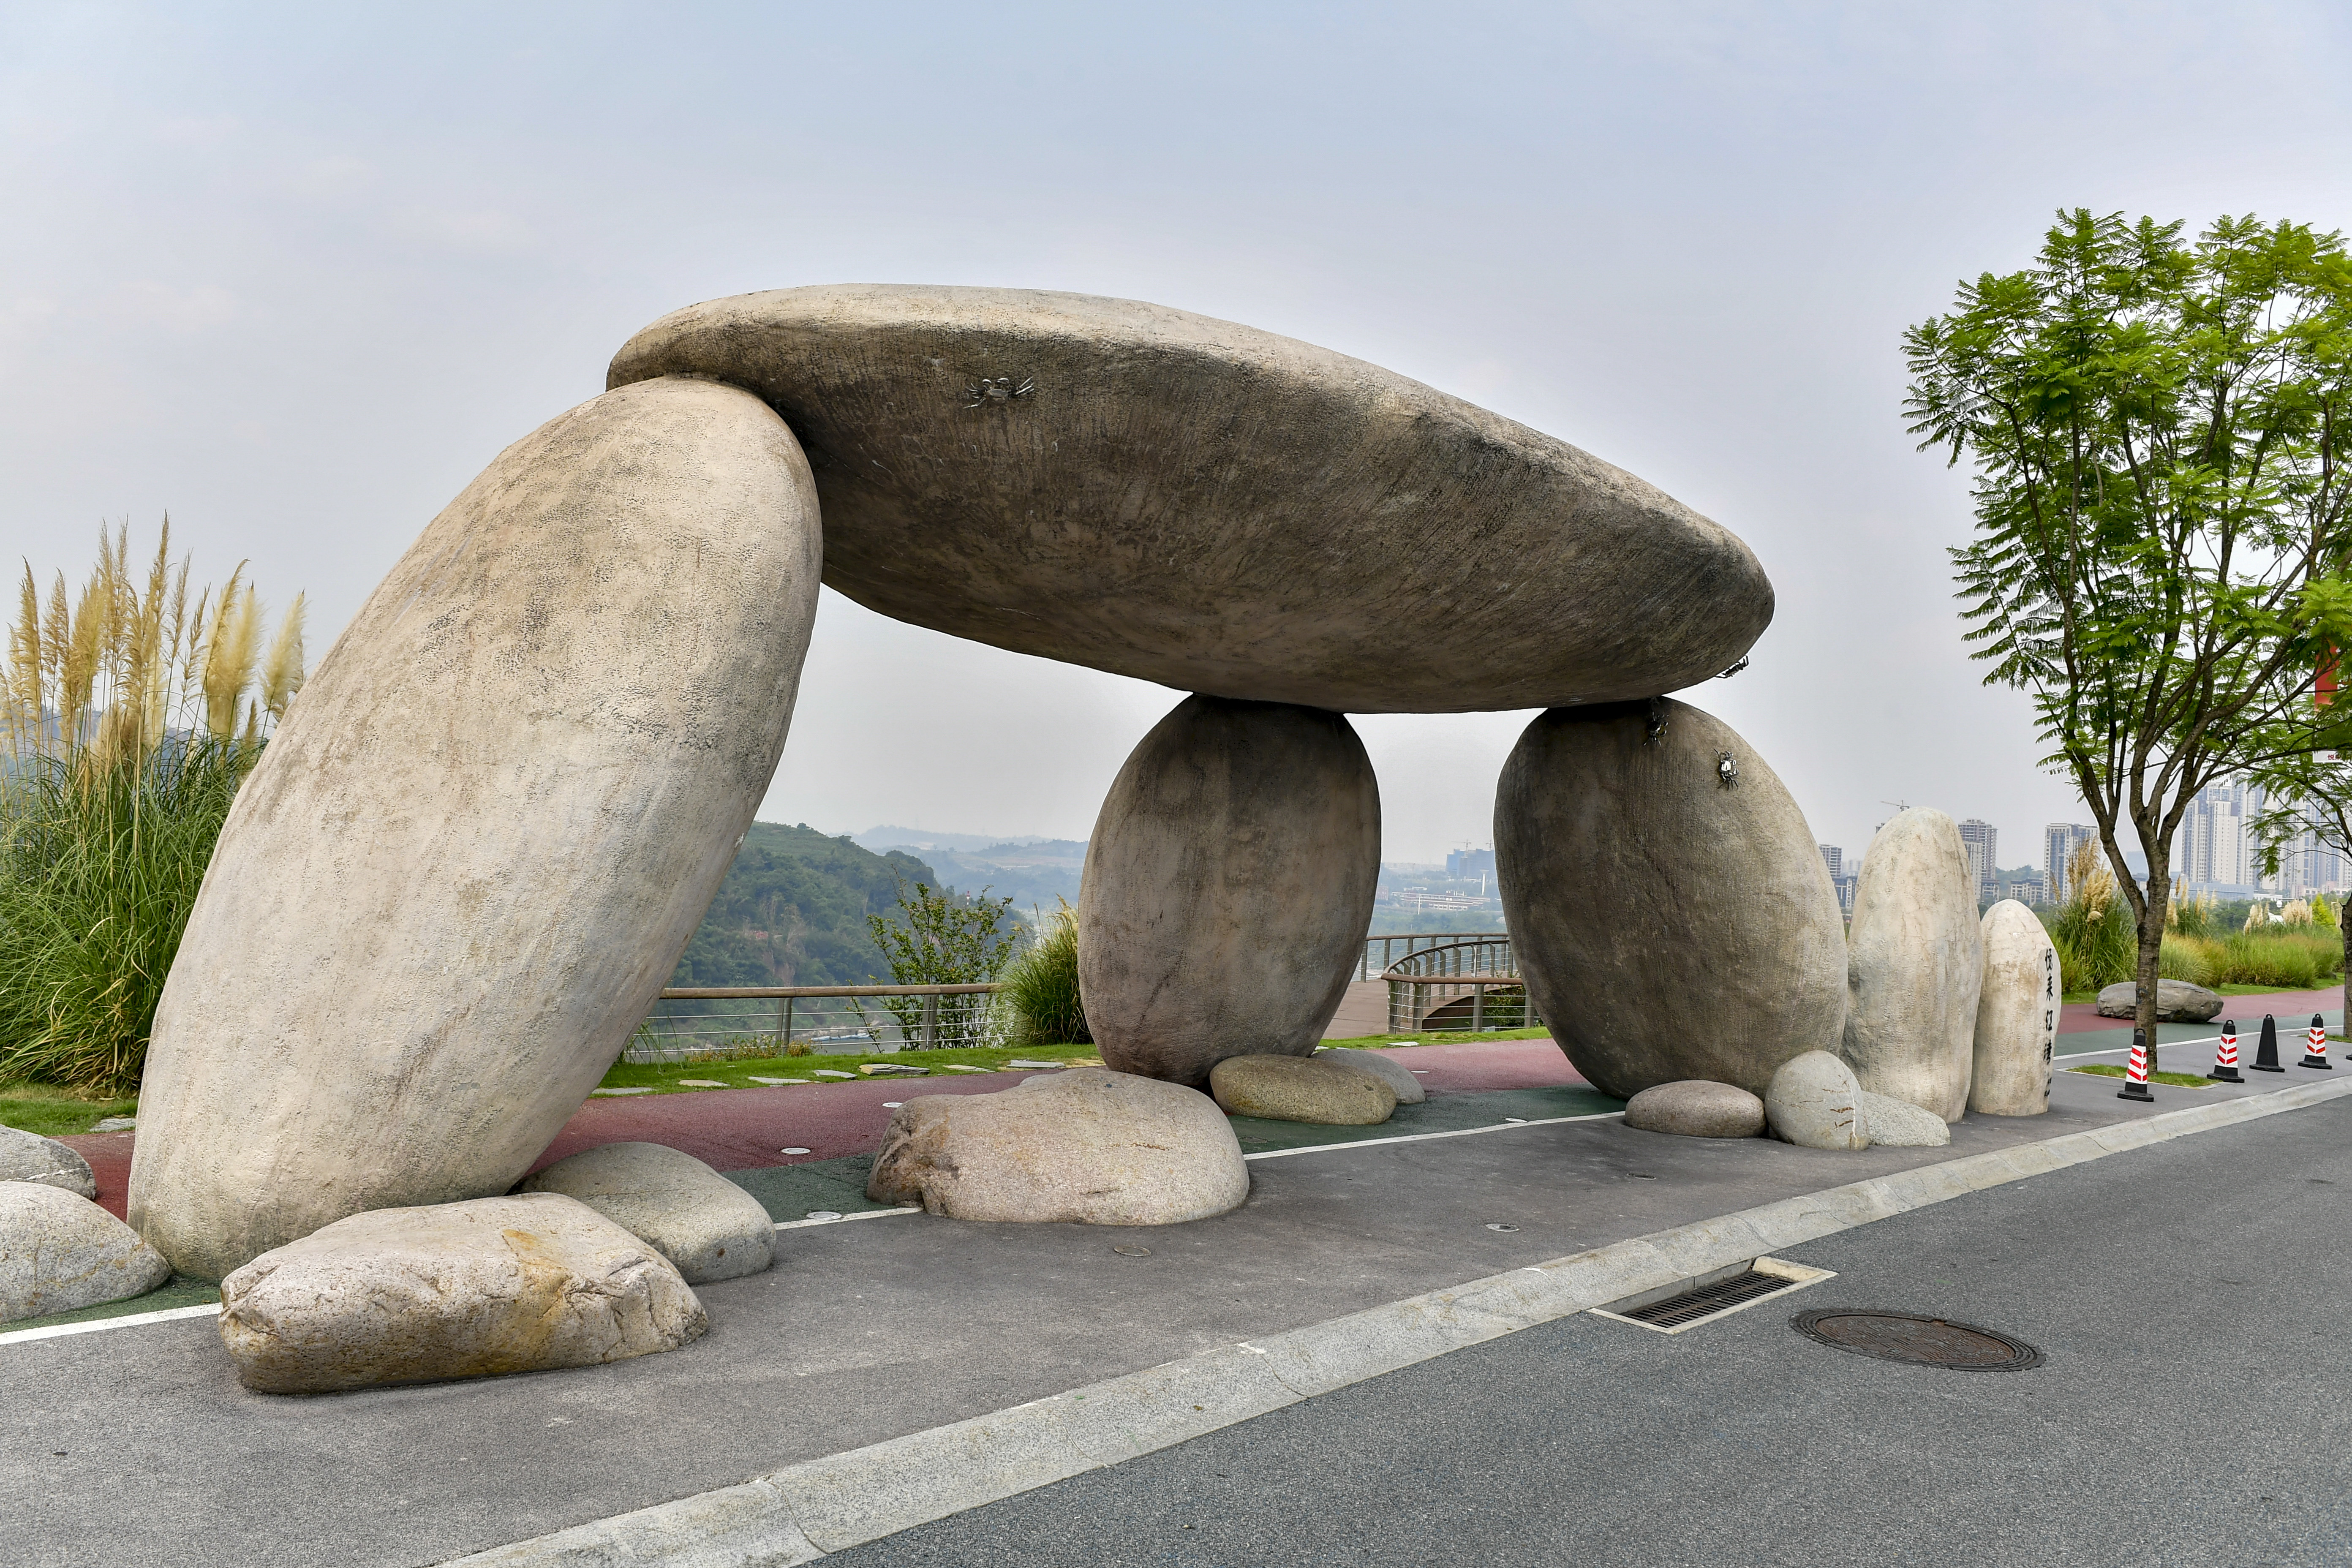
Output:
(297, 276)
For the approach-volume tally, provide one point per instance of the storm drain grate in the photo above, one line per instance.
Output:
(1687, 1304)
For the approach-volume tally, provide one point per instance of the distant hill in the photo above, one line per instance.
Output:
(889, 838)
(793, 911)
(1031, 871)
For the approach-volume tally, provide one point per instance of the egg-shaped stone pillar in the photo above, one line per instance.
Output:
(2017, 1014)
(1228, 887)
(1667, 904)
(1918, 965)
(470, 857)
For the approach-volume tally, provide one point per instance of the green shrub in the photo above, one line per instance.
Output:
(2190, 958)
(2285, 960)
(1041, 987)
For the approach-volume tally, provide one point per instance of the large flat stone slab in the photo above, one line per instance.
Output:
(1216, 508)
(474, 850)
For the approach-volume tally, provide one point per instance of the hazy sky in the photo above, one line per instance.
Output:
(296, 276)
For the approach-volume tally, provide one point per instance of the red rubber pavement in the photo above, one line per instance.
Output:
(746, 1129)
(2079, 1017)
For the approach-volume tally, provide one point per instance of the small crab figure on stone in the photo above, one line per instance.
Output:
(997, 389)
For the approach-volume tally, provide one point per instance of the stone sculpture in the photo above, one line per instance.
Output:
(1630, 869)
(2177, 1002)
(29, 1157)
(1812, 1102)
(471, 856)
(708, 1227)
(1693, 1108)
(2017, 1014)
(59, 1252)
(1898, 1123)
(464, 1289)
(1380, 1065)
(1085, 1147)
(1915, 965)
(1294, 1088)
(1227, 887)
(481, 837)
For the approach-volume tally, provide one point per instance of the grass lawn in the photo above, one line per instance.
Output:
(664, 1077)
(2177, 1079)
(55, 1112)
(1444, 1037)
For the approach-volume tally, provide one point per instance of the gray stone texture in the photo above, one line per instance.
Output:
(2177, 1002)
(1215, 508)
(474, 850)
(2017, 1014)
(1087, 1146)
(1915, 965)
(1382, 1065)
(1297, 1088)
(1898, 1123)
(60, 1251)
(708, 1227)
(1668, 927)
(29, 1157)
(1227, 887)
(526, 1283)
(1812, 1102)
(1694, 1107)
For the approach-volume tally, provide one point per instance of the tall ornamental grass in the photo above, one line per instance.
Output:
(2093, 930)
(1040, 986)
(127, 718)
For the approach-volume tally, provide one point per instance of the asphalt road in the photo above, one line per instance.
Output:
(2193, 1408)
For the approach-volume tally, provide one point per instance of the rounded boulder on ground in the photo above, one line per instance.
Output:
(2017, 1014)
(1915, 966)
(526, 1283)
(1898, 1123)
(1382, 1065)
(1694, 1108)
(1228, 884)
(1812, 1102)
(59, 1252)
(1301, 1089)
(2177, 1002)
(467, 861)
(1085, 1146)
(29, 1157)
(1667, 901)
(1215, 508)
(704, 1224)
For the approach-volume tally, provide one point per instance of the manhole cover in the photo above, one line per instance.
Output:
(1925, 1342)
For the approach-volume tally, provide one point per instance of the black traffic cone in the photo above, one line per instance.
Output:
(2316, 1056)
(2225, 1059)
(2266, 1054)
(2135, 1076)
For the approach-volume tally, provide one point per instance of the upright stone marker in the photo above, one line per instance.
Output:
(471, 856)
(1915, 965)
(1227, 887)
(1670, 924)
(2017, 1014)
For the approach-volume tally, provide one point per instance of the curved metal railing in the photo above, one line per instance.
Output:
(1467, 985)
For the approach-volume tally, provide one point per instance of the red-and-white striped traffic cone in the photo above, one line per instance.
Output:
(2225, 1059)
(2315, 1056)
(2135, 1076)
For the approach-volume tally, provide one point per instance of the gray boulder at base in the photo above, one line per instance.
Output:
(2017, 1014)
(1812, 1102)
(1227, 887)
(1087, 1147)
(1668, 927)
(60, 1251)
(1915, 965)
(2177, 1002)
(1297, 1088)
(1215, 508)
(472, 854)
(1382, 1065)
(1898, 1123)
(704, 1224)
(525, 1283)
(29, 1157)
(1694, 1107)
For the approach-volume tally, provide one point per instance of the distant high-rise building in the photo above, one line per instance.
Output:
(1463, 864)
(1977, 839)
(2058, 842)
(1846, 886)
(1835, 858)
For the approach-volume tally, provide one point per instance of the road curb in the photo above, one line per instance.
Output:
(803, 1511)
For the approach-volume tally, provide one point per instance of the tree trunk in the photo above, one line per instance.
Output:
(2343, 922)
(2151, 951)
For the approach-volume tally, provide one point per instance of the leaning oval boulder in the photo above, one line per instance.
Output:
(1216, 508)
(1667, 901)
(1915, 965)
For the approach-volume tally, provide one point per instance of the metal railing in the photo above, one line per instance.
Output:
(1392, 949)
(1469, 984)
(714, 1023)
